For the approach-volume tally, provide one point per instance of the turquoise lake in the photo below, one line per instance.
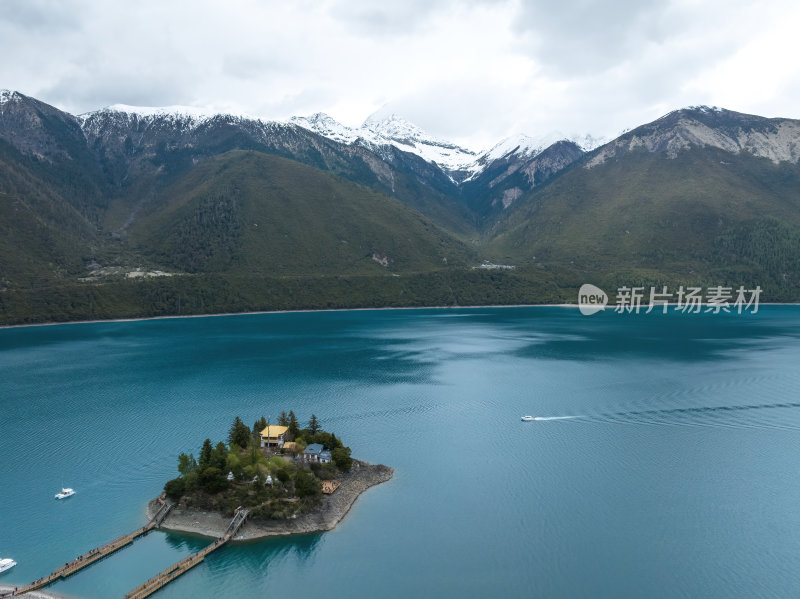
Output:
(669, 465)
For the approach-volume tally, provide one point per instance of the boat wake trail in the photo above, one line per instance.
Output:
(697, 416)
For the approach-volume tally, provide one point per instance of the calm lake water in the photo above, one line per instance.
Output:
(677, 473)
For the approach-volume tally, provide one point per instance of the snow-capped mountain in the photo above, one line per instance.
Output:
(514, 148)
(386, 143)
(521, 145)
(461, 165)
(527, 146)
(381, 129)
(178, 112)
(515, 166)
(326, 126)
(129, 141)
(6, 95)
(183, 119)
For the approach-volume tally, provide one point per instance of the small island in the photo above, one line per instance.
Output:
(292, 480)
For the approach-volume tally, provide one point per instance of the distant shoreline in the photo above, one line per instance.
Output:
(144, 318)
(176, 316)
(332, 509)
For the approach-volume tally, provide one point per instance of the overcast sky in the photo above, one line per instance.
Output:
(471, 71)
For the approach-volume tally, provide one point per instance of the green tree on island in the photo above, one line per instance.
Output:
(239, 434)
(273, 486)
(219, 457)
(294, 428)
(186, 463)
(258, 426)
(205, 454)
(313, 425)
(341, 457)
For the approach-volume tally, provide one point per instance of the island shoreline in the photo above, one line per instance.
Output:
(332, 509)
(35, 594)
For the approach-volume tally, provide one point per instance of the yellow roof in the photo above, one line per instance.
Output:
(274, 431)
(290, 445)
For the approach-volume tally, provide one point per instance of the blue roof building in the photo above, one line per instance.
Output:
(316, 453)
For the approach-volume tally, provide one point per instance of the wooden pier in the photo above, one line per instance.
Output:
(95, 555)
(163, 578)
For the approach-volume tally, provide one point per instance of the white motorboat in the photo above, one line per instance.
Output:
(65, 492)
(527, 418)
(6, 564)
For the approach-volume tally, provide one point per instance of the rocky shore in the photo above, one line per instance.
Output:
(325, 516)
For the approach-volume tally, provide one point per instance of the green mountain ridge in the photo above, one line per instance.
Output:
(705, 217)
(246, 212)
(114, 216)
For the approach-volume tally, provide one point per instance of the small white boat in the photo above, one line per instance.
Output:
(7, 564)
(527, 418)
(65, 493)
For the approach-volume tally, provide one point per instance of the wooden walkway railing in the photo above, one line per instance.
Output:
(163, 578)
(97, 554)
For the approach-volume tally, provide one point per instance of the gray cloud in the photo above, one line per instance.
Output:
(41, 16)
(575, 38)
(472, 71)
(394, 17)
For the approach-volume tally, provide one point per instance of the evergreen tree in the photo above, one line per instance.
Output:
(313, 425)
(258, 426)
(294, 429)
(205, 454)
(256, 432)
(239, 434)
(219, 457)
(284, 419)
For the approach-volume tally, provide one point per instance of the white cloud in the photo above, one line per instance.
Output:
(468, 71)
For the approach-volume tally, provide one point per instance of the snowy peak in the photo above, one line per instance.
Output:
(7, 95)
(522, 146)
(390, 130)
(183, 116)
(588, 142)
(382, 128)
(326, 126)
(408, 137)
(524, 149)
(395, 127)
(526, 146)
(159, 111)
(702, 108)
